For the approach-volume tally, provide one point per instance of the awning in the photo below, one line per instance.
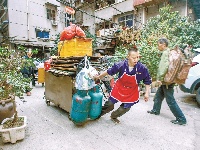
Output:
(51, 4)
(34, 44)
(145, 2)
(140, 2)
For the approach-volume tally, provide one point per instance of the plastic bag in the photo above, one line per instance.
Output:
(84, 79)
(71, 31)
(80, 32)
(92, 72)
(68, 33)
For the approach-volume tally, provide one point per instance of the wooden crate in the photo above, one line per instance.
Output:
(75, 47)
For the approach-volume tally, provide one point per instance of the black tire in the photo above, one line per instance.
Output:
(69, 117)
(48, 102)
(198, 96)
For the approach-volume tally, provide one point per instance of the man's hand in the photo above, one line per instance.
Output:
(96, 78)
(159, 83)
(146, 96)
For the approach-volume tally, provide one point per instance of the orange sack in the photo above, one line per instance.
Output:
(68, 33)
(71, 31)
(80, 32)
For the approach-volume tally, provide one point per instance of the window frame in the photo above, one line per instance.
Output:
(42, 34)
(51, 13)
(122, 20)
(67, 19)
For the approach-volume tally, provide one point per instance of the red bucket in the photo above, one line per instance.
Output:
(47, 65)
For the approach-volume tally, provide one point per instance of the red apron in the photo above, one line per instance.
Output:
(126, 89)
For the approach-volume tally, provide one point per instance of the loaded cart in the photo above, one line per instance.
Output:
(71, 69)
(60, 80)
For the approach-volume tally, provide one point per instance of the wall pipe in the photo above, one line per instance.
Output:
(28, 27)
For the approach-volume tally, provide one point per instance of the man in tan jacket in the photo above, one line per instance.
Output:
(166, 91)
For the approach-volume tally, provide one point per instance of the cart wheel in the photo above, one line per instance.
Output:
(42, 84)
(69, 117)
(48, 102)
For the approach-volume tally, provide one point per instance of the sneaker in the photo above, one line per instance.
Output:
(152, 112)
(115, 120)
(178, 122)
(28, 93)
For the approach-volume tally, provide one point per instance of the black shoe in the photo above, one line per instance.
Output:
(178, 122)
(152, 112)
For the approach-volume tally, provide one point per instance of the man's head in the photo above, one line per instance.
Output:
(133, 56)
(162, 44)
(29, 53)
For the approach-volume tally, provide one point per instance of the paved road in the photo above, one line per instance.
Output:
(49, 128)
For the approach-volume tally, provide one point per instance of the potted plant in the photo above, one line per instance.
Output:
(13, 129)
(12, 83)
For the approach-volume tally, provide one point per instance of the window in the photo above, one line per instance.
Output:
(68, 19)
(42, 34)
(126, 20)
(51, 14)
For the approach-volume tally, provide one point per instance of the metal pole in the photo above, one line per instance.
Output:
(27, 8)
(186, 9)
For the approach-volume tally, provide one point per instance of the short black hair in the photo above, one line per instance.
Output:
(132, 49)
(163, 41)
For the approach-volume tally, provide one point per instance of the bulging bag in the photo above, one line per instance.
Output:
(179, 67)
(68, 33)
(80, 32)
(84, 79)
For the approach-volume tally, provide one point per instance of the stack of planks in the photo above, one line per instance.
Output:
(69, 65)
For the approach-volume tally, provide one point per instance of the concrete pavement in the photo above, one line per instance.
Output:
(49, 128)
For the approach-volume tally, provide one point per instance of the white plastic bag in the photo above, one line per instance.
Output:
(84, 79)
(92, 72)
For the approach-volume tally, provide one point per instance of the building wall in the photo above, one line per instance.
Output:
(177, 6)
(144, 14)
(107, 13)
(88, 18)
(25, 16)
(141, 15)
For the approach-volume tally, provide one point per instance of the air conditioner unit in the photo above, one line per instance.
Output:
(45, 39)
(54, 22)
(106, 32)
